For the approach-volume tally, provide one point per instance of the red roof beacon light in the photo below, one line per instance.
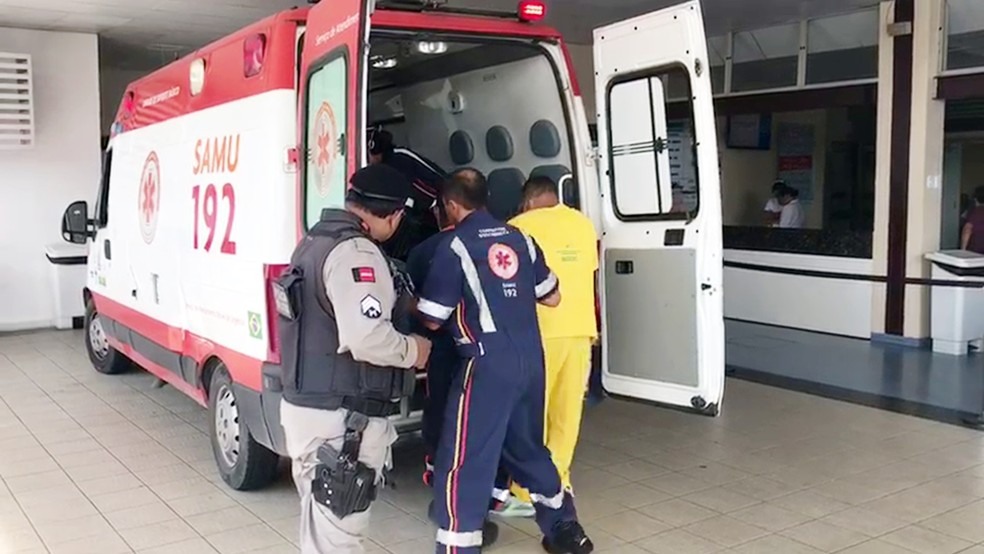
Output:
(532, 11)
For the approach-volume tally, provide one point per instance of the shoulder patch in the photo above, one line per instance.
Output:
(371, 307)
(364, 274)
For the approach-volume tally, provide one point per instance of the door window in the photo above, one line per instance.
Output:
(327, 160)
(101, 209)
(653, 164)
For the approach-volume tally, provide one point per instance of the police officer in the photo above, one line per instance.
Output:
(487, 280)
(425, 178)
(345, 366)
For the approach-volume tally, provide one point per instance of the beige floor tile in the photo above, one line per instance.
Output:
(926, 541)
(677, 484)
(132, 498)
(824, 536)
(190, 546)
(21, 539)
(966, 523)
(716, 474)
(109, 485)
(810, 503)
(761, 488)
(634, 496)
(774, 544)
(158, 534)
(770, 517)
(400, 529)
(245, 539)
(130, 518)
(636, 470)
(726, 531)
(678, 541)
(678, 512)
(100, 544)
(62, 531)
(877, 546)
(193, 505)
(210, 523)
(721, 500)
(630, 526)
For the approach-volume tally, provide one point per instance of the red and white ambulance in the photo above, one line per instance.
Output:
(219, 162)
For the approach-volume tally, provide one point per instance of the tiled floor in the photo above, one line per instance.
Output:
(912, 380)
(104, 465)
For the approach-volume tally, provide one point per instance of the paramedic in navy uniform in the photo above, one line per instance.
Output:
(425, 179)
(486, 281)
(344, 363)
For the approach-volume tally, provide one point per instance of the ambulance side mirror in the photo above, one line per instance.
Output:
(75, 223)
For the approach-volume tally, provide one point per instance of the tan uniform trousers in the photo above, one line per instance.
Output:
(306, 429)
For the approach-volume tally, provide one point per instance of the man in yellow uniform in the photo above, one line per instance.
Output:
(570, 245)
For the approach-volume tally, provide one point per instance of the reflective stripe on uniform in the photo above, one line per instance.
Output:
(547, 286)
(462, 540)
(531, 246)
(433, 309)
(475, 284)
(555, 502)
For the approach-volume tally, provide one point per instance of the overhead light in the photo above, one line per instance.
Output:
(431, 48)
(381, 62)
(196, 76)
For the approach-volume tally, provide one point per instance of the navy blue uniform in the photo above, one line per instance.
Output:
(484, 286)
(444, 360)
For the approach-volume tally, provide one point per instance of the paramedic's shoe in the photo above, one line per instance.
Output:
(490, 533)
(428, 471)
(569, 538)
(514, 507)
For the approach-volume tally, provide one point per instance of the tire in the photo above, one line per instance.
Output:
(104, 358)
(243, 463)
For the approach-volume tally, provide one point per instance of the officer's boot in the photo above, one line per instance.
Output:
(490, 533)
(568, 538)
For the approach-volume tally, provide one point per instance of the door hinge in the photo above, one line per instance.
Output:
(705, 286)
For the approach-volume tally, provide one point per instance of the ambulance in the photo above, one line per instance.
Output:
(218, 163)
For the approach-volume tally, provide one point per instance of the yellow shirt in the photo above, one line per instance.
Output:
(570, 246)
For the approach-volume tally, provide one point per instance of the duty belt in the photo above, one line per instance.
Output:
(368, 407)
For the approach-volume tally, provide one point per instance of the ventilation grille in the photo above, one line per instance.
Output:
(16, 102)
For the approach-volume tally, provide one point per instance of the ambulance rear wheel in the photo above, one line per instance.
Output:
(243, 463)
(103, 356)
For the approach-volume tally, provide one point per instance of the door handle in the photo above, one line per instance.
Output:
(705, 286)
(107, 250)
(623, 267)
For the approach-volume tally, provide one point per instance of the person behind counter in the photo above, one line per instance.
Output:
(972, 235)
(792, 215)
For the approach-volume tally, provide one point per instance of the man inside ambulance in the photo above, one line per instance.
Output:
(425, 177)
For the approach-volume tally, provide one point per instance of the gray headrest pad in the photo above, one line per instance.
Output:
(545, 139)
(462, 148)
(499, 144)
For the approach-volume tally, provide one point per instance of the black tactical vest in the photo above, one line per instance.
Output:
(315, 375)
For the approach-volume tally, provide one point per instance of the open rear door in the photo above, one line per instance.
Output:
(661, 248)
(332, 110)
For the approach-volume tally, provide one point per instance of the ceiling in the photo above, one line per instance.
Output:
(140, 32)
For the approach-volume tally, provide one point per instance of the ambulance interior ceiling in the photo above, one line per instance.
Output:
(494, 106)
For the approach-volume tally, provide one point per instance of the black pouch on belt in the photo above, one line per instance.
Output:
(342, 483)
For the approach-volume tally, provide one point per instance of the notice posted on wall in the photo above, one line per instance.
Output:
(683, 173)
(795, 145)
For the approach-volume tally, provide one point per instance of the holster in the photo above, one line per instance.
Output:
(342, 483)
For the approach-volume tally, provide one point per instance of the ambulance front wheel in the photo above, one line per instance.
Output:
(103, 356)
(243, 463)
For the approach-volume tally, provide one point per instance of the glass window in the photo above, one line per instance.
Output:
(965, 34)
(653, 169)
(842, 48)
(766, 58)
(101, 209)
(717, 55)
(327, 121)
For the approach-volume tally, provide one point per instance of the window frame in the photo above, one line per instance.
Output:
(649, 73)
(340, 53)
(101, 209)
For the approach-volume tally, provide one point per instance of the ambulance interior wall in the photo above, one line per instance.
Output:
(37, 184)
(514, 95)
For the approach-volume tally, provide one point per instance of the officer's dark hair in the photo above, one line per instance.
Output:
(779, 186)
(790, 192)
(467, 187)
(538, 186)
(380, 141)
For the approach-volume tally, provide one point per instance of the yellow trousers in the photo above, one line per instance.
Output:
(568, 362)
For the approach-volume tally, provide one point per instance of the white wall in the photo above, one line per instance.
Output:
(827, 305)
(37, 185)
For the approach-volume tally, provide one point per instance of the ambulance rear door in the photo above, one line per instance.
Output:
(332, 103)
(661, 261)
